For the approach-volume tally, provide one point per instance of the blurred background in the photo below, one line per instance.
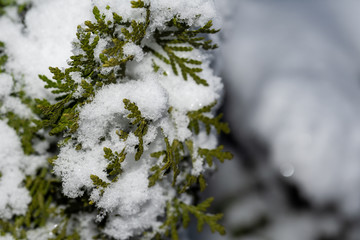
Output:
(291, 71)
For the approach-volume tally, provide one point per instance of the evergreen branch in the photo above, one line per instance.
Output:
(122, 134)
(172, 158)
(169, 40)
(177, 211)
(199, 212)
(3, 56)
(115, 159)
(209, 154)
(142, 125)
(172, 218)
(60, 232)
(137, 4)
(26, 130)
(99, 183)
(198, 116)
(192, 180)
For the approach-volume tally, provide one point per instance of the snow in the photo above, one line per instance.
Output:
(101, 113)
(5, 84)
(46, 40)
(135, 50)
(14, 196)
(6, 237)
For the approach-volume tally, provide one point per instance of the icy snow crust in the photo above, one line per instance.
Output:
(131, 206)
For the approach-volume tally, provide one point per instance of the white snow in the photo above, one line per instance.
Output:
(46, 40)
(14, 196)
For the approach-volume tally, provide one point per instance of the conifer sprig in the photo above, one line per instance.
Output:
(3, 56)
(99, 183)
(178, 211)
(209, 154)
(60, 232)
(45, 205)
(183, 39)
(199, 211)
(200, 116)
(172, 158)
(115, 159)
(25, 129)
(141, 123)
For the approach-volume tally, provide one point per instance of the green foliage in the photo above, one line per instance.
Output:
(209, 154)
(98, 182)
(157, 68)
(200, 116)
(47, 204)
(11, 3)
(115, 160)
(178, 211)
(173, 155)
(137, 4)
(6, 3)
(122, 134)
(142, 125)
(3, 56)
(199, 211)
(60, 232)
(183, 39)
(25, 129)
(193, 180)
(133, 31)
(43, 189)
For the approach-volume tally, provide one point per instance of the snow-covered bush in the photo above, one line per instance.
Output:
(132, 112)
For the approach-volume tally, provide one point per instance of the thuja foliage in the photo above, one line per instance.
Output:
(21, 8)
(178, 211)
(47, 202)
(74, 87)
(3, 57)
